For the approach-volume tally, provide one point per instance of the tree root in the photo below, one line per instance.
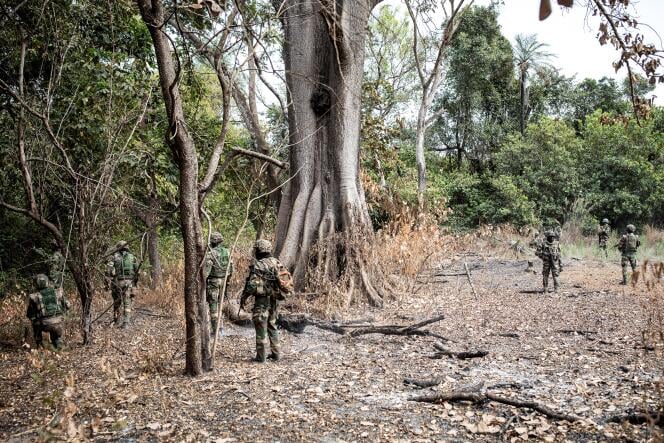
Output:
(483, 397)
(296, 323)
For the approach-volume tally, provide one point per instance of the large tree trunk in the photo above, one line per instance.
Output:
(324, 55)
(197, 336)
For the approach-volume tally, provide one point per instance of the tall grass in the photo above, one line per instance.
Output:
(575, 244)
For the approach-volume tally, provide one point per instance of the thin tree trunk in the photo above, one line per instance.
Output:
(156, 272)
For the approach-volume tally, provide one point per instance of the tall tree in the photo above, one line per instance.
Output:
(529, 55)
(324, 42)
(430, 55)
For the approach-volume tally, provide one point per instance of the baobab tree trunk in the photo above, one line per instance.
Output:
(324, 56)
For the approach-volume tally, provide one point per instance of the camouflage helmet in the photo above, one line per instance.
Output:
(263, 246)
(216, 238)
(631, 228)
(605, 221)
(41, 281)
(549, 233)
(122, 246)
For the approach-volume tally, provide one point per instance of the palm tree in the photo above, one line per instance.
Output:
(529, 54)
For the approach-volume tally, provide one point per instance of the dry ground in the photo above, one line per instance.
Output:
(334, 388)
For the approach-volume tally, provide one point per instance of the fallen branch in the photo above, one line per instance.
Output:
(483, 397)
(575, 331)
(470, 281)
(463, 355)
(297, 323)
(423, 383)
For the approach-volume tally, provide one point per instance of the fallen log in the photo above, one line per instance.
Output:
(298, 322)
(463, 355)
(483, 397)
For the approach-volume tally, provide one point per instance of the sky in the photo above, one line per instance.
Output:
(571, 35)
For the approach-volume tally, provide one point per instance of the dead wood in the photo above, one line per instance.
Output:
(423, 383)
(470, 281)
(297, 322)
(463, 355)
(575, 331)
(639, 418)
(483, 397)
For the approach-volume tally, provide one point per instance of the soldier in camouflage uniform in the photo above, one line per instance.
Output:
(627, 246)
(55, 264)
(533, 246)
(217, 268)
(46, 309)
(549, 252)
(603, 233)
(263, 286)
(121, 277)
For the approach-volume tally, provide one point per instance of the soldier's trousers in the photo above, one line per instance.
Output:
(624, 260)
(54, 329)
(602, 245)
(212, 291)
(123, 296)
(264, 316)
(554, 270)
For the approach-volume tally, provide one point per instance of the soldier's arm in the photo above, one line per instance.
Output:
(32, 310)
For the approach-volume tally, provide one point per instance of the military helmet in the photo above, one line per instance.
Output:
(631, 228)
(41, 281)
(216, 238)
(605, 221)
(549, 233)
(263, 246)
(122, 245)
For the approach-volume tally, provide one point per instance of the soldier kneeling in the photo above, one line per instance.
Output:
(46, 309)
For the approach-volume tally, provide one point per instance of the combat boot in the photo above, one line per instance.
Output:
(274, 356)
(125, 322)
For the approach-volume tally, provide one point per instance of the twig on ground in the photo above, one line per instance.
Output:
(639, 418)
(470, 281)
(463, 355)
(423, 383)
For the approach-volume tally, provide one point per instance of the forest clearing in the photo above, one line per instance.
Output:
(585, 351)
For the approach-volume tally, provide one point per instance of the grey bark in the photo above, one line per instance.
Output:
(324, 74)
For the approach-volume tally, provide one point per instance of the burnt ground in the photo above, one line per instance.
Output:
(580, 351)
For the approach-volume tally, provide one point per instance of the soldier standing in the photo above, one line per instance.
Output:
(549, 252)
(603, 233)
(217, 268)
(121, 276)
(627, 246)
(268, 282)
(46, 309)
(534, 244)
(55, 264)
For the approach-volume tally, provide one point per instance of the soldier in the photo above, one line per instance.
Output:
(121, 276)
(268, 282)
(549, 252)
(55, 263)
(46, 309)
(557, 230)
(217, 268)
(534, 244)
(603, 233)
(627, 246)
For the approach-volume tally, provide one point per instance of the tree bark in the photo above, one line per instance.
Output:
(324, 73)
(197, 339)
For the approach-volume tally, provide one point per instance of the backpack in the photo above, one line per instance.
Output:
(219, 258)
(49, 305)
(270, 278)
(124, 266)
(631, 243)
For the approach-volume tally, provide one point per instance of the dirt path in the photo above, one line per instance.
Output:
(333, 388)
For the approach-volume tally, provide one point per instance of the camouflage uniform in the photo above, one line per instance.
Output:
(603, 233)
(46, 309)
(549, 252)
(628, 245)
(533, 246)
(217, 268)
(55, 264)
(122, 274)
(263, 286)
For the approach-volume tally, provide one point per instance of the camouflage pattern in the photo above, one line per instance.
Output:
(55, 266)
(217, 268)
(533, 246)
(46, 309)
(549, 252)
(261, 284)
(263, 246)
(122, 281)
(603, 234)
(628, 245)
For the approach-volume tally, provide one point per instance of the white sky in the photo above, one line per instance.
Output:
(571, 36)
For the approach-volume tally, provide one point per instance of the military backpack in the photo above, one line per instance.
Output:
(631, 243)
(220, 259)
(270, 278)
(124, 266)
(48, 304)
